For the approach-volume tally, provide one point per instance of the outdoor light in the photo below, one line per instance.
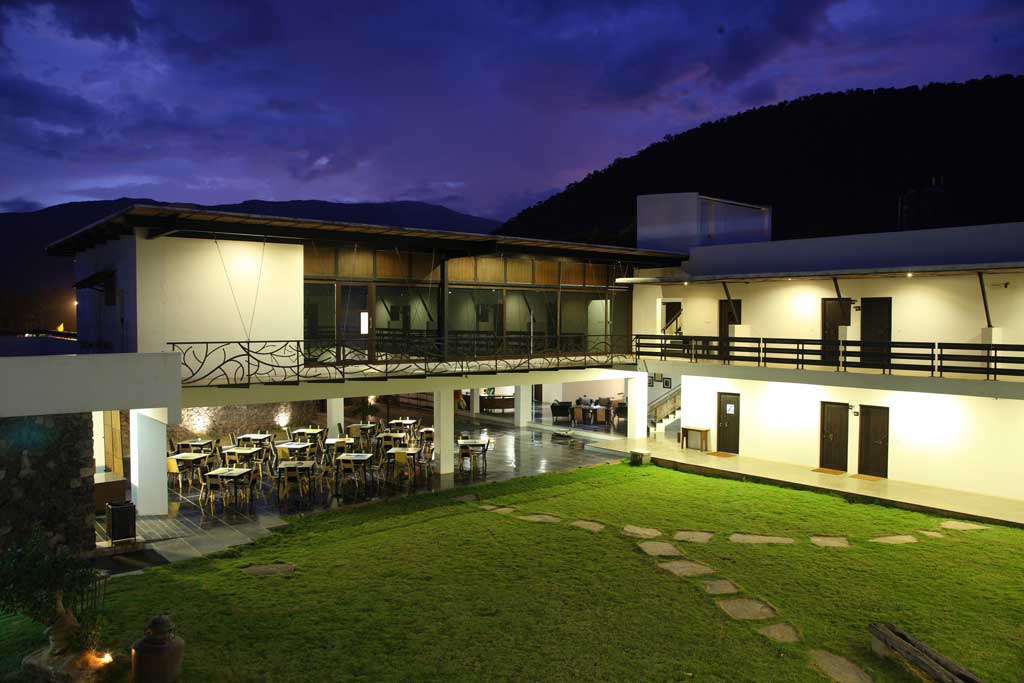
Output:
(364, 322)
(686, 284)
(282, 418)
(910, 275)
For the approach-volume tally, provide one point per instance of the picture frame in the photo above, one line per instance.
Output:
(658, 376)
(667, 383)
(650, 381)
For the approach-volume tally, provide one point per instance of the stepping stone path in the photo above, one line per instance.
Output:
(469, 498)
(839, 669)
(640, 532)
(276, 569)
(686, 568)
(659, 549)
(539, 518)
(504, 511)
(759, 540)
(488, 507)
(721, 587)
(780, 633)
(932, 534)
(747, 608)
(830, 541)
(895, 540)
(962, 526)
(589, 526)
(694, 536)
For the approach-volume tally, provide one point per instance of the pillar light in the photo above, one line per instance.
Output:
(364, 322)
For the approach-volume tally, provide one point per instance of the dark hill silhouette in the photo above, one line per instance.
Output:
(836, 163)
(38, 288)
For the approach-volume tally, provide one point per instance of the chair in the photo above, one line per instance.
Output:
(600, 415)
(402, 466)
(577, 414)
(211, 484)
(173, 471)
(347, 471)
(466, 452)
(289, 479)
(560, 411)
(425, 460)
(341, 430)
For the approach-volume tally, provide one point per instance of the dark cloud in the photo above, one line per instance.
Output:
(468, 103)
(18, 205)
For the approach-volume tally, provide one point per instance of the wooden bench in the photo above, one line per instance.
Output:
(684, 436)
(890, 641)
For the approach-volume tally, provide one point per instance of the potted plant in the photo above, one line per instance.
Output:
(35, 579)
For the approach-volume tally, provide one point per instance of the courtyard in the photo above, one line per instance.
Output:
(509, 585)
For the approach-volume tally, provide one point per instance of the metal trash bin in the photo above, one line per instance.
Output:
(121, 521)
(639, 457)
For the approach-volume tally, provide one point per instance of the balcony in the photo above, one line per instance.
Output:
(935, 359)
(392, 354)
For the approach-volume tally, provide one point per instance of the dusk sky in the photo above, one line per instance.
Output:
(485, 107)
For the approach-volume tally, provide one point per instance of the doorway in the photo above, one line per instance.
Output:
(671, 317)
(835, 429)
(727, 315)
(834, 313)
(873, 453)
(876, 331)
(728, 423)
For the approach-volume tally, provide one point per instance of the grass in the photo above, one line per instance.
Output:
(424, 589)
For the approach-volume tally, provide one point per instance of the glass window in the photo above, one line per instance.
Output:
(583, 320)
(531, 319)
(620, 321)
(318, 310)
(354, 312)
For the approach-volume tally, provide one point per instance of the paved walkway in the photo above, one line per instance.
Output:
(666, 453)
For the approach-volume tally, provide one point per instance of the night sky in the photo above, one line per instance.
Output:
(486, 107)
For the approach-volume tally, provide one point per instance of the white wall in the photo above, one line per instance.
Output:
(193, 290)
(100, 326)
(956, 442)
(924, 308)
(604, 388)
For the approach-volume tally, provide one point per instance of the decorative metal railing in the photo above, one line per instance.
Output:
(392, 353)
(993, 361)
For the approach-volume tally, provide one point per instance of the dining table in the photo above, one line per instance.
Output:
(234, 475)
(196, 443)
(255, 436)
(243, 452)
(410, 451)
(310, 431)
(360, 460)
(191, 462)
(302, 468)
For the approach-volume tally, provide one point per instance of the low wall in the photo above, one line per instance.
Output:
(46, 479)
(222, 421)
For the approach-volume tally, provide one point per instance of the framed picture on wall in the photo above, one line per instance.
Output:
(650, 381)
(658, 376)
(667, 383)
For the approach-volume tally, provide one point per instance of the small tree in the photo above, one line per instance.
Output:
(34, 578)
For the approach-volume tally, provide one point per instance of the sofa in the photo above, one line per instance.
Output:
(561, 410)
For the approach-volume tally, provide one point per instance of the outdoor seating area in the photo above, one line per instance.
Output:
(585, 412)
(308, 466)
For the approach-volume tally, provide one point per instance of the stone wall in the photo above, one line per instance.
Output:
(46, 479)
(226, 420)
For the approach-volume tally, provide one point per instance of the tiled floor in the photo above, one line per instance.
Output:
(666, 452)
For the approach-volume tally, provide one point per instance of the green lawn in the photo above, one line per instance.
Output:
(426, 589)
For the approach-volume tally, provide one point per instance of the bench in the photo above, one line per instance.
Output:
(890, 641)
(684, 436)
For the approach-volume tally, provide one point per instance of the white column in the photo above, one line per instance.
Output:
(523, 405)
(444, 432)
(636, 399)
(99, 447)
(148, 428)
(335, 414)
(474, 401)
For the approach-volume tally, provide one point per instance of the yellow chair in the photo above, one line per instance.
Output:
(174, 471)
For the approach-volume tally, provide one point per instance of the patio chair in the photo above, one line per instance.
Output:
(577, 415)
(290, 479)
(425, 459)
(341, 430)
(402, 466)
(211, 485)
(174, 472)
(347, 471)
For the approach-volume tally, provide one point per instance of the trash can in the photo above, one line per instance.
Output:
(121, 521)
(639, 457)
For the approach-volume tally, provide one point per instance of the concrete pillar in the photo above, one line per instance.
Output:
(636, 399)
(474, 401)
(99, 443)
(444, 432)
(335, 414)
(148, 428)
(523, 404)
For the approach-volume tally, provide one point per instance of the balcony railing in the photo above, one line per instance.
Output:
(992, 361)
(390, 354)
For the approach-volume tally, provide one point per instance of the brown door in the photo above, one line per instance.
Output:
(726, 318)
(873, 457)
(834, 312)
(835, 423)
(729, 423)
(876, 330)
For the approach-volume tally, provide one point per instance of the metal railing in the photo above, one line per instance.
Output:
(392, 353)
(993, 361)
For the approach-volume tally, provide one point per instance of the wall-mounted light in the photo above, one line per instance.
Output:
(364, 322)
(282, 418)
(686, 284)
(910, 275)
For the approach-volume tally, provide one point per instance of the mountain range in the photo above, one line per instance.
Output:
(38, 288)
(830, 164)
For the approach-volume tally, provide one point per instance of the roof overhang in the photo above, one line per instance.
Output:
(954, 269)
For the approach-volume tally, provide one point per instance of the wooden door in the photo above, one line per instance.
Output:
(873, 455)
(728, 423)
(834, 312)
(876, 330)
(726, 318)
(835, 424)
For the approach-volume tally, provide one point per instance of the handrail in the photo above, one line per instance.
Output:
(991, 360)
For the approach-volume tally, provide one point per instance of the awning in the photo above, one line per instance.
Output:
(97, 281)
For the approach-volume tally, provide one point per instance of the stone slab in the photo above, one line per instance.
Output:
(659, 549)
(895, 540)
(932, 534)
(589, 526)
(957, 525)
(830, 541)
(721, 587)
(468, 498)
(758, 539)
(686, 568)
(780, 633)
(504, 511)
(694, 536)
(175, 550)
(839, 669)
(640, 532)
(547, 519)
(276, 569)
(488, 507)
(747, 608)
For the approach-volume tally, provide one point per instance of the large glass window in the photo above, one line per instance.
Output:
(531, 319)
(353, 311)
(476, 321)
(318, 310)
(583, 320)
(620, 321)
(405, 319)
